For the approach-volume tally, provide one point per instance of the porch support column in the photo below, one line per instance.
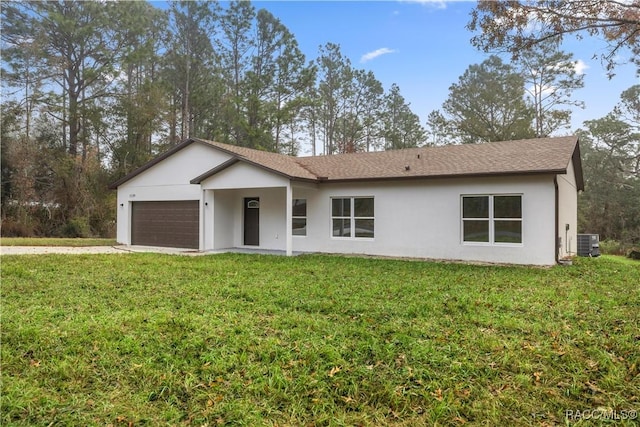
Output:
(203, 214)
(289, 219)
(209, 219)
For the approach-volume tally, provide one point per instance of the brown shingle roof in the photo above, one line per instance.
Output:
(279, 163)
(529, 156)
(544, 155)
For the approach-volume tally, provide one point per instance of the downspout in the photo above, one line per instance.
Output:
(557, 218)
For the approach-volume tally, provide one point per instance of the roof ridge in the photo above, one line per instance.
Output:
(297, 159)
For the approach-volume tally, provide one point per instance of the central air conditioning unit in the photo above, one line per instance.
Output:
(588, 245)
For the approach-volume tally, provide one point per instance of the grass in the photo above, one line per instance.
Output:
(622, 259)
(147, 339)
(50, 241)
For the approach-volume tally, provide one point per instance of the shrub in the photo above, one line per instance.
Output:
(12, 228)
(76, 227)
(613, 247)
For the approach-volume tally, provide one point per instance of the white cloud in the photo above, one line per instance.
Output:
(580, 66)
(437, 4)
(374, 54)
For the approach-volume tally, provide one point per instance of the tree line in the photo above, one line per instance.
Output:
(610, 205)
(95, 89)
(92, 90)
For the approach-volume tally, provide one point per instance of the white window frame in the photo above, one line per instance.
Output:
(352, 218)
(492, 220)
(293, 217)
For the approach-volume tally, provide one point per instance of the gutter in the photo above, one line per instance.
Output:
(557, 219)
(325, 179)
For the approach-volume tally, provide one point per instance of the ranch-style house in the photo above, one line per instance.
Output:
(499, 202)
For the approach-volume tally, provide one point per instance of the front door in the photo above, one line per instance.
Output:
(252, 221)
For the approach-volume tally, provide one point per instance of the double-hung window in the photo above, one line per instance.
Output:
(492, 219)
(352, 217)
(299, 220)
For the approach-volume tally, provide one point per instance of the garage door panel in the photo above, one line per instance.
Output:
(167, 224)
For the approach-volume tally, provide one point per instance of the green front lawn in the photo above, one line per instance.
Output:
(50, 241)
(145, 339)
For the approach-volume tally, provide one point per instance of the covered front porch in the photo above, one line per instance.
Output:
(249, 251)
(247, 208)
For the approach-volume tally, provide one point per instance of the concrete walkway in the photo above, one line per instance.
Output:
(41, 250)
(122, 249)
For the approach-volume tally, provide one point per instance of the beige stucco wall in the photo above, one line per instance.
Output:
(567, 212)
(423, 219)
(226, 218)
(167, 180)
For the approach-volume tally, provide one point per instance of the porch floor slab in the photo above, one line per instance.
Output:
(251, 251)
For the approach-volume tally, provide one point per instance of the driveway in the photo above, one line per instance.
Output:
(40, 250)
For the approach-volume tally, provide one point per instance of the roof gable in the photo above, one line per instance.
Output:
(151, 163)
(238, 173)
(274, 162)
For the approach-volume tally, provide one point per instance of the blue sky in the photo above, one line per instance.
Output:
(428, 48)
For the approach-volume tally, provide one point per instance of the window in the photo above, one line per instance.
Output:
(493, 219)
(352, 217)
(507, 219)
(299, 224)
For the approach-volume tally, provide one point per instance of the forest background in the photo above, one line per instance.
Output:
(92, 90)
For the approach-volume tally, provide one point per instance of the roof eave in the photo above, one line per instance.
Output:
(576, 160)
(445, 176)
(211, 172)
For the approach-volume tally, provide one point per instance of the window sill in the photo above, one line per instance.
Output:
(494, 245)
(362, 239)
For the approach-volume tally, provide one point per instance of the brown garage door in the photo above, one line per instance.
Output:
(172, 224)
